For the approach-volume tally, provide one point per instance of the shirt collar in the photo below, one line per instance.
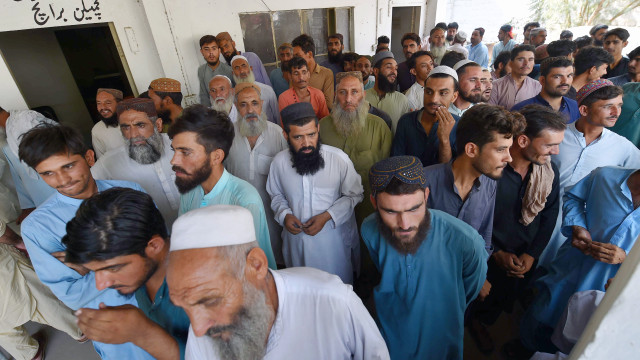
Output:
(218, 187)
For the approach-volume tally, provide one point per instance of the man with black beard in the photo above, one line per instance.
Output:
(314, 190)
(145, 157)
(210, 50)
(242, 310)
(256, 142)
(167, 97)
(105, 134)
(335, 46)
(383, 94)
(470, 86)
(432, 264)
(221, 94)
(201, 140)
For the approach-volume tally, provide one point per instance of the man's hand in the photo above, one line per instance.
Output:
(607, 253)
(316, 223)
(24, 214)
(581, 239)
(292, 224)
(507, 261)
(113, 324)
(484, 292)
(60, 255)
(527, 262)
(445, 124)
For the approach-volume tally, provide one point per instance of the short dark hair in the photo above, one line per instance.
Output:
(634, 53)
(480, 31)
(306, 43)
(176, 97)
(115, 222)
(384, 39)
(503, 58)
(566, 34)
(296, 62)
(561, 48)
(411, 62)
(337, 36)
(552, 63)
(397, 187)
(44, 141)
(621, 33)
(583, 41)
(591, 56)
(208, 39)
(596, 28)
(456, 86)
(539, 118)
(286, 124)
(521, 48)
(436, 29)
(453, 25)
(478, 125)
(604, 93)
(350, 56)
(450, 58)
(214, 129)
(441, 25)
(410, 36)
(532, 25)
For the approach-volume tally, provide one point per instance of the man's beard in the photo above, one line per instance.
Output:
(405, 247)
(478, 165)
(249, 331)
(199, 176)
(337, 58)
(385, 85)
(149, 152)
(228, 58)
(249, 79)
(223, 107)
(472, 98)
(150, 268)
(438, 52)
(557, 92)
(213, 63)
(110, 122)
(307, 164)
(503, 71)
(165, 116)
(597, 42)
(449, 38)
(349, 123)
(486, 95)
(254, 127)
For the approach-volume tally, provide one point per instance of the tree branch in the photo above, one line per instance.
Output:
(632, 5)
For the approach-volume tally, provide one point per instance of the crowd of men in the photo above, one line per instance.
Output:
(357, 208)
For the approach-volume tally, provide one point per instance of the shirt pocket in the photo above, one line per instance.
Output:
(264, 163)
(323, 198)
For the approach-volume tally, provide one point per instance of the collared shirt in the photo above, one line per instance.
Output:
(42, 232)
(334, 67)
(621, 79)
(476, 210)
(415, 95)
(602, 204)
(269, 102)
(395, 104)
(620, 69)
(505, 91)
(157, 179)
(280, 85)
(252, 166)
(500, 47)
(456, 111)
(416, 320)
(316, 96)
(508, 233)
(479, 54)
(231, 190)
(336, 189)
(205, 74)
(568, 107)
(105, 138)
(163, 312)
(31, 189)
(412, 139)
(405, 77)
(322, 79)
(629, 120)
(339, 327)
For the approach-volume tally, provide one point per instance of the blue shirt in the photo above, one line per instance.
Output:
(334, 67)
(164, 313)
(230, 190)
(500, 47)
(568, 107)
(601, 203)
(479, 54)
(42, 232)
(421, 298)
(280, 85)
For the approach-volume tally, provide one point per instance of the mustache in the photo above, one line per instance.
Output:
(177, 168)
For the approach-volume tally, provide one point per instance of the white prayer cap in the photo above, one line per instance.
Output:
(213, 226)
(442, 69)
(462, 63)
(238, 57)
(220, 76)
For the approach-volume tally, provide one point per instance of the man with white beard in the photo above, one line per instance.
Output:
(221, 94)
(437, 44)
(145, 157)
(243, 310)
(255, 144)
(243, 73)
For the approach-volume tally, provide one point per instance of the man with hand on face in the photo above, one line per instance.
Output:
(243, 73)
(410, 45)
(421, 64)
(255, 144)
(470, 81)
(478, 51)
(145, 158)
(429, 133)
(383, 94)
(417, 250)
(59, 155)
(120, 236)
(167, 97)
(517, 86)
(335, 46)
(314, 189)
(105, 134)
(243, 310)
(221, 94)
(300, 90)
(229, 51)
(210, 50)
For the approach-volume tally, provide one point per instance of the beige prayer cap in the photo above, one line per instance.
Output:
(165, 85)
(115, 92)
(212, 226)
(224, 36)
(138, 104)
(244, 86)
(342, 75)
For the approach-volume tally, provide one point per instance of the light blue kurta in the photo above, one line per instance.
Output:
(42, 232)
(31, 189)
(231, 190)
(602, 204)
(421, 298)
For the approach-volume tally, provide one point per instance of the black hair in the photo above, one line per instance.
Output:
(208, 39)
(503, 58)
(286, 124)
(384, 39)
(214, 129)
(566, 35)
(478, 125)
(45, 140)
(176, 97)
(441, 25)
(539, 118)
(532, 25)
(521, 48)
(451, 58)
(306, 43)
(621, 33)
(561, 48)
(411, 62)
(480, 31)
(350, 56)
(456, 86)
(296, 62)
(410, 36)
(452, 25)
(115, 222)
(604, 93)
(463, 69)
(634, 53)
(583, 41)
(337, 36)
(552, 63)
(589, 57)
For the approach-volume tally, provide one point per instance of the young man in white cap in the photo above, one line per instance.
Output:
(243, 73)
(470, 81)
(239, 309)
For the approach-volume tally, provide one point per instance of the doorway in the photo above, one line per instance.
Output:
(403, 20)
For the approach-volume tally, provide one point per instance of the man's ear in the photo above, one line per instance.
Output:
(284, 133)
(217, 157)
(455, 96)
(412, 71)
(376, 71)
(584, 110)
(158, 124)
(257, 266)
(523, 141)
(155, 246)
(426, 194)
(472, 150)
(90, 157)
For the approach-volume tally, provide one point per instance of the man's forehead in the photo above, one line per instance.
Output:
(187, 139)
(240, 63)
(130, 115)
(349, 82)
(389, 61)
(248, 95)
(104, 96)
(212, 44)
(363, 60)
(53, 162)
(439, 83)
(525, 54)
(219, 83)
